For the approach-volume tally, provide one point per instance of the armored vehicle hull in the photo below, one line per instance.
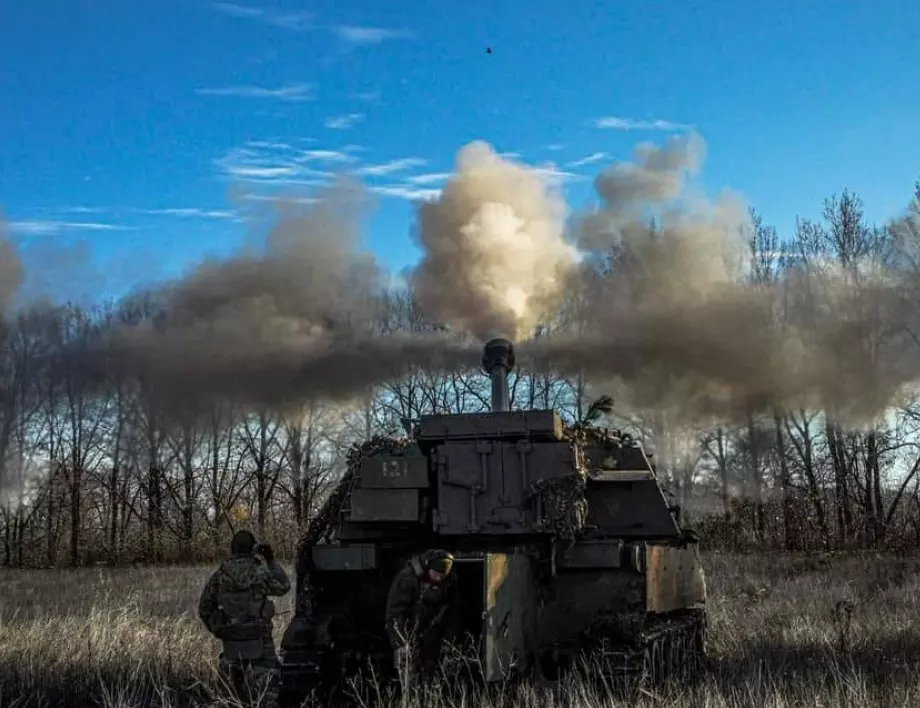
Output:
(566, 549)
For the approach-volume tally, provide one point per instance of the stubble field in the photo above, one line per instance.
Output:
(784, 631)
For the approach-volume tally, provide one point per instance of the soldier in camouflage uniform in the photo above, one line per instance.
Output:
(236, 608)
(422, 612)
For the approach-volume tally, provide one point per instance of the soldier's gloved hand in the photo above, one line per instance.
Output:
(264, 550)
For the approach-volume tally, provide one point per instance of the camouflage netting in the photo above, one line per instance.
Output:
(323, 525)
(590, 435)
(563, 505)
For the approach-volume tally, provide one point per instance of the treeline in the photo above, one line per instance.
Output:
(116, 473)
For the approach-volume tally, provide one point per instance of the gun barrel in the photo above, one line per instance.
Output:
(497, 362)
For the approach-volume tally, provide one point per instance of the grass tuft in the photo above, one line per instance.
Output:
(785, 631)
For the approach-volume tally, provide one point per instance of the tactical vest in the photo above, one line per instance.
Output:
(242, 614)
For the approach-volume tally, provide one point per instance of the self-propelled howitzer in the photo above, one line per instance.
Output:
(565, 546)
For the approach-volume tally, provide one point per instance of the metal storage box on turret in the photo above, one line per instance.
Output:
(565, 546)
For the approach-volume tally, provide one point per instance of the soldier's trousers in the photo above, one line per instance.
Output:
(253, 672)
(421, 663)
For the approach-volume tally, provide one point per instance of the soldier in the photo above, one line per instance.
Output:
(236, 608)
(422, 611)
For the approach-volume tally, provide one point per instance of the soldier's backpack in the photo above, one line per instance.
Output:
(244, 612)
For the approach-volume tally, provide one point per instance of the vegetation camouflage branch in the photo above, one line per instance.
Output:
(322, 526)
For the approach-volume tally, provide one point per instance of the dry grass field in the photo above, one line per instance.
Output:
(785, 631)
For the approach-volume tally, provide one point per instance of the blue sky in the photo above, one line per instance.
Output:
(128, 127)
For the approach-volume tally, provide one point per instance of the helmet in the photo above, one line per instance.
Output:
(243, 542)
(440, 561)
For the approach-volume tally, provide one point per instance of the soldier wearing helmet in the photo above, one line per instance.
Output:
(236, 607)
(422, 611)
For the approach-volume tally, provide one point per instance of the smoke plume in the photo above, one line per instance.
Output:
(657, 278)
(494, 257)
(291, 321)
(10, 269)
(680, 320)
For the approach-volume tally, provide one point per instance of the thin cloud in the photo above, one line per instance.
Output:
(191, 213)
(369, 35)
(280, 199)
(554, 175)
(260, 172)
(290, 92)
(325, 156)
(304, 21)
(615, 123)
(403, 163)
(279, 162)
(367, 96)
(83, 210)
(589, 160)
(407, 192)
(271, 145)
(428, 178)
(234, 10)
(296, 21)
(343, 122)
(37, 227)
(297, 181)
(555, 147)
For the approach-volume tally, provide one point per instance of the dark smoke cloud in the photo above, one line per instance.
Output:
(657, 176)
(11, 273)
(256, 366)
(681, 324)
(677, 321)
(291, 320)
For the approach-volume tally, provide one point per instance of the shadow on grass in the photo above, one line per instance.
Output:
(765, 669)
(884, 664)
(27, 686)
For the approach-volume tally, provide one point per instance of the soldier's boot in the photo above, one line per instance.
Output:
(266, 684)
(429, 658)
(234, 676)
